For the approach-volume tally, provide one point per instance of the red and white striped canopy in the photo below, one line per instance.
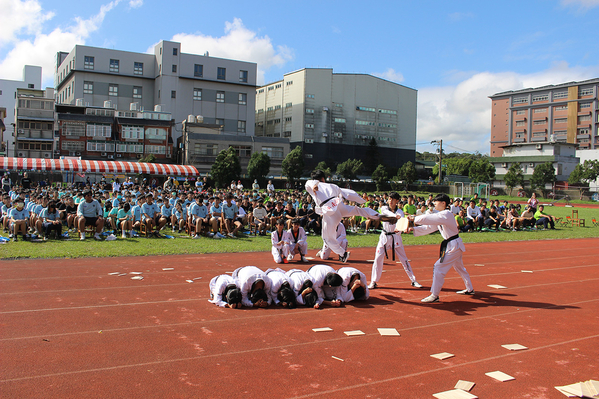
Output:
(85, 166)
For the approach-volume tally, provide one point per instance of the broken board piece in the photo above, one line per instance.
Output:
(572, 390)
(443, 355)
(464, 385)
(114, 274)
(566, 392)
(168, 268)
(389, 332)
(322, 329)
(137, 278)
(496, 286)
(197, 278)
(455, 394)
(309, 257)
(189, 281)
(337, 358)
(135, 273)
(526, 271)
(514, 347)
(500, 376)
(354, 332)
(478, 264)
(402, 224)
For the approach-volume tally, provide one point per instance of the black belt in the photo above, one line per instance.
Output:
(392, 234)
(325, 201)
(443, 248)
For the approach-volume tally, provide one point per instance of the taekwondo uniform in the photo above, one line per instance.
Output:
(318, 273)
(246, 276)
(452, 247)
(329, 203)
(277, 278)
(325, 252)
(218, 286)
(280, 247)
(297, 278)
(389, 239)
(346, 274)
(300, 239)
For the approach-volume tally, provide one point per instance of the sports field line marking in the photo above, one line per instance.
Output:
(125, 366)
(120, 287)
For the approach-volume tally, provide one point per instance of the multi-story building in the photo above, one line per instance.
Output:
(104, 133)
(221, 90)
(34, 114)
(334, 116)
(2, 130)
(32, 79)
(566, 113)
(202, 142)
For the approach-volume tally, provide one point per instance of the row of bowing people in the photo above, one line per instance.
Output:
(321, 285)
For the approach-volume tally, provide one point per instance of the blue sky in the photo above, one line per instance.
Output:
(455, 53)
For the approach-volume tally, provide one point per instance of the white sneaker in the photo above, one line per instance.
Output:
(430, 299)
(97, 236)
(290, 257)
(82, 235)
(124, 235)
(231, 235)
(372, 285)
(304, 259)
(318, 254)
(196, 236)
(416, 284)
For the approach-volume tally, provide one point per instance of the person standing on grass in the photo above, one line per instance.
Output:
(329, 203)
(533, 202)
(452, 246)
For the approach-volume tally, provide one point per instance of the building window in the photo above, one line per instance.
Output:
(260, 91)
(288, 119)
(561, 94)
(243, 99)
(289, 83)
(136, 92)
(540, 97)
(219, 121)
(30, 86)
(220, 96)
(365, 123)
(277, 107)
(309, 111)
(520, 123)
(540, 122)
(271, 88)
(561, 108)
(338, 105)
(198, 70)
(287, 133)
(273, 152)
(138, 68)
(369, 109)
(309, 95)
(175, 51)
(288, 105)
(339, 120)
(221, 73)
(132, 132)
(270, 108)
(113, 90)
(88, 87)
(154, 133)
(520, 100)
(585, 105)
(540, 110)
(585, 92)
(388, 111)
(197, 94)
(206, 149)
(174, 69)
(560, 120)
(114, 66)
(521, 112)
(309, 126)
(88, 62)
(240, 126)
(173, 94)
(243, 76)
(584, 118)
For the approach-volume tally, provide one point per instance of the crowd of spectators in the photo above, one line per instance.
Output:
(133, 207)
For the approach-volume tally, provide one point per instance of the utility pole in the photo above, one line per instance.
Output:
(440, 142)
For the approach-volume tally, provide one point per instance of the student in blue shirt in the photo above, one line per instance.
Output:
(229, 218)
(125, 219)
(199, 215)
(150, 214)
(167, 211)
(216, 212)
(50, 218)
(19, 218)
(179, 217)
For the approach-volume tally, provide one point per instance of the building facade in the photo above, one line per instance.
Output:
(220, 90)
(34, 114)
(334, 116)
(565, 113)
(32, 79)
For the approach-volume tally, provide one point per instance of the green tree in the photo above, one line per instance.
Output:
(407, 173)
(514, 176)
(380, 177)
(150, 158)
(583, 174)
(293, 164)
(543, 174)
(372, 157)
(350, 168)
(259, 166)
(481, 171)
(226, 167)
(322, 165)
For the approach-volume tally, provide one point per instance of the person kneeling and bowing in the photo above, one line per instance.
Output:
(224, 292)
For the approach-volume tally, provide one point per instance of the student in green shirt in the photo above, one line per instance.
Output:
(410, 208)
(544, 218)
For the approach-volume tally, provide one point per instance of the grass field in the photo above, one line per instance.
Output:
(182, 244)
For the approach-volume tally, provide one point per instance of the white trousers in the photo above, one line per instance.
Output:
(303, 248)
(385, 243)
(331, 219)
(278, 255)
(452, 259)
(325, 252)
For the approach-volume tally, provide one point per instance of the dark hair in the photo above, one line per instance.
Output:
(311, 298)
(287, 295)
(333, 279)
(317, 174)
(359, 292)
(232, 294)
(257, 295)
(394, 195)
(126, 207)
(442, 198)
(280, 222)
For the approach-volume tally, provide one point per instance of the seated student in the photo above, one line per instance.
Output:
(314, 222)
(280, 246)
(259, 216)
(229, 217)
(19, 217)
(125, 220)
(289, 214)
(224, 292)
(460, 220)
(544, 218)
(276, 214)
(473, 216)
(327, 284)
(50, 218)
(216, 213)
(492, 218)
(167, 211)
(325, 252)
(110, 214)
(90, 213)
(281, 292)
(511, 221)
(297, 241)
(354, 286)
(254, 285)
(527, 218)
(198, 213)
(302, 284)
(179, 216)
(136, 213)
(152, 217)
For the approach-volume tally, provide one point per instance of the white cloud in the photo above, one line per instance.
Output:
(583, 4)
(460, 115)
(21, 17)
(41, 50)
(238, 43)
(136, 3)
(391, 75)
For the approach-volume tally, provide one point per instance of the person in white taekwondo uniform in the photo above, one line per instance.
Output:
(327, 284)
(280, 242)
(302, 284)
(281, 292)
(390, 238)
(254, 285)
(297, 241)
(329, 203)
(224, 292)
(325, 252)
(452, 246)
(354, 286)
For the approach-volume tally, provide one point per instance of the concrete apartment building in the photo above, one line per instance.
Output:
(32, 79)
(564, 113)
(34, 114)
(334, 116)
(220, 90)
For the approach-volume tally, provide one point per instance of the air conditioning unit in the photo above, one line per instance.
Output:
(79, 102)
(338, 134)
(324, 134)
(22, 154)
(107, 104)
(103, 154)
(531, 165)
(309, 141)
(199, 119)
(134, 106)
(119, 155)
(138, 156)
(78, 154)
(21, 131)
(504, 165)
(111, 156)
(47, 155)
(539, 146)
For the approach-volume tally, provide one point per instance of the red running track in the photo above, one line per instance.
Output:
(71, 330)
